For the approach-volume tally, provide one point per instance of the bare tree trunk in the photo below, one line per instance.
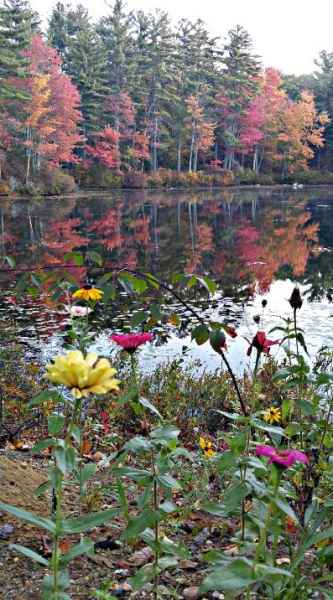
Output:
(179, 154)
(154, 161)
(195, 158)
(191, 152)
(29, 152)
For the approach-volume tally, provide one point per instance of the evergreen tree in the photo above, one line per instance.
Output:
(17, 25)
(116, 35)
(58, 29)
(155, 78)
(84, 60)
(240, 85)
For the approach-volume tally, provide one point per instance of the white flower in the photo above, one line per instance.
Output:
(78, 311)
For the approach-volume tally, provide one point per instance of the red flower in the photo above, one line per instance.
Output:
(283, 458)
(261, 343)
(131, 341)
(230, 330)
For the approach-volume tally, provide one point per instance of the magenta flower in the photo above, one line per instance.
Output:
(261, 343)
(131, 341)
(283, 458)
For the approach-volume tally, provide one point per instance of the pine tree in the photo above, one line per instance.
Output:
(58, 29)
(239, 86)
(155, 77)
(17, 24)
(84, 60)
(115, 33)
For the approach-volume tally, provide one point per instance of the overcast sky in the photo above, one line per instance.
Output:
(288, 34)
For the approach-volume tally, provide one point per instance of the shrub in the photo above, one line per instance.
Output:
(58, 182)
(97, 177)
(249, 177)
(134, 180)
(4, 188)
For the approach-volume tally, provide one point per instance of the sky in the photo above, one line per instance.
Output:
(287, 34)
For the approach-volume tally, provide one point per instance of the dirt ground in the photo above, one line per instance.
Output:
(111, 565)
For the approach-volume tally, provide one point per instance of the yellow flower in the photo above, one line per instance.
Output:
(273, 415)
(83, 375)
(204, 443)
(88, 293)
(209, 453)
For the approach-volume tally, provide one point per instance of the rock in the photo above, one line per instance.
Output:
(191, 593)
(6, 531)
(218, 596)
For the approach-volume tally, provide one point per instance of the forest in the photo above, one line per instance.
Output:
(133, 100)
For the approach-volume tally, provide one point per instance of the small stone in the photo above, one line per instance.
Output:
(6, 531)
(191, 593)
(218, 596)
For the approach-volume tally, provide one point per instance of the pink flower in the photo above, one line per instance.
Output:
(131, 341)
(283, 458)
(78, 311)
(261, 343)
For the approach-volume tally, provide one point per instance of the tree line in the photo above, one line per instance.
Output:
(133, 93)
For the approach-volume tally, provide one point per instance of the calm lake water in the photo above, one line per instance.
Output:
(255, 243)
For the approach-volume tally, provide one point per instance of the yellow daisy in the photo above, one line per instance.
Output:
(83, 375)
(88, 292)
(273, 415)
(209, 453)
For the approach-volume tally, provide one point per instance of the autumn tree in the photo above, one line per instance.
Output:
(301, 130)
(52, 115)
(201, 131)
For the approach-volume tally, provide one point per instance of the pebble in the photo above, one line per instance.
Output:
(191, 593)
(6, 531)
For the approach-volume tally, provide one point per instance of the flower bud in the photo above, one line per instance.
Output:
(217, 340)
(295, 299)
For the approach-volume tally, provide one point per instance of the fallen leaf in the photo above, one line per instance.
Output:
(141, 557)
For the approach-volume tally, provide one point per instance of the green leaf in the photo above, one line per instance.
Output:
(269, 428)
(29, 517)
(95, 257)
(88, 471)
(55, 424)
(214, 508)
(74, 257)
(11, 261)
(208, 284)
(142, 577)
(44, 487)
(45, 396)
(285, 507)
(200, 334)
(81, 524)
(138, 444)
(167, 481)
(235, 576)
(136, 525)
(167, 562)
(139, 318)
(44, 444)
(65, 458)
(84, 547)
(167, 507)
(147, 404)
(30, 554)
(165, 433)
(139, 475)
(306, 407)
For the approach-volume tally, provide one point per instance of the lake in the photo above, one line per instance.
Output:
(256, 243)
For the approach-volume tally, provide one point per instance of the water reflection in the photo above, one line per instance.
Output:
(246, 240)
